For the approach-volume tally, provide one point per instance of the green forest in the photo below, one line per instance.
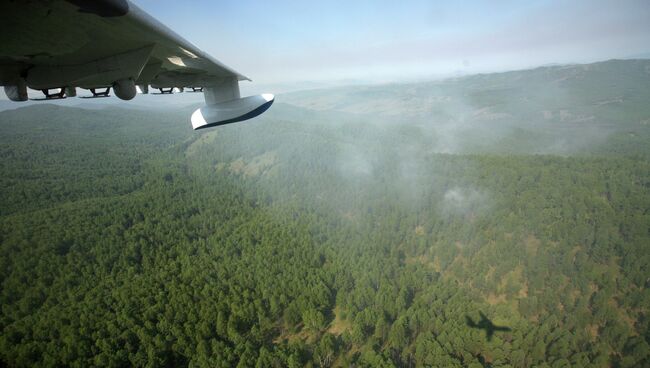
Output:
(348, 227)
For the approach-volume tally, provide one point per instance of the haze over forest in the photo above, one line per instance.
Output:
(367, 226)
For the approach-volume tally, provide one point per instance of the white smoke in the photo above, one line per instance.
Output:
(464, 201)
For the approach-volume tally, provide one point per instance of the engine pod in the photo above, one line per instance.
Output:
(231, 111)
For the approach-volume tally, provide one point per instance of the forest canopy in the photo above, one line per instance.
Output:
(328, 233)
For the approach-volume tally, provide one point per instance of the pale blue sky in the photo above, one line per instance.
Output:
(286, 41)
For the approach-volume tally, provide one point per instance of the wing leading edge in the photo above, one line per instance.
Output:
(95, 45)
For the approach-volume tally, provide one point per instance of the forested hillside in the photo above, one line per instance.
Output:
(329, 234)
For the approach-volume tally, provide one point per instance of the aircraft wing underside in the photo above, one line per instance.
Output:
(57, 46)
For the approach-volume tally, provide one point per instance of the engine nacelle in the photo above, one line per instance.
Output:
(125, 89)
(17, 92)
(231, 111)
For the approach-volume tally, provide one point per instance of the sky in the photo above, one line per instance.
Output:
(391, 41)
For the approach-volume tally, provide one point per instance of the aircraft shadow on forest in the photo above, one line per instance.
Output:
(485, 324)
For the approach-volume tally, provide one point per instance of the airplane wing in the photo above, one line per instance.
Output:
(62, 45)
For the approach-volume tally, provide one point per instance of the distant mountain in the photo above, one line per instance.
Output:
(541, 91)
(645, 55)
(560, 109)
(7, 105)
